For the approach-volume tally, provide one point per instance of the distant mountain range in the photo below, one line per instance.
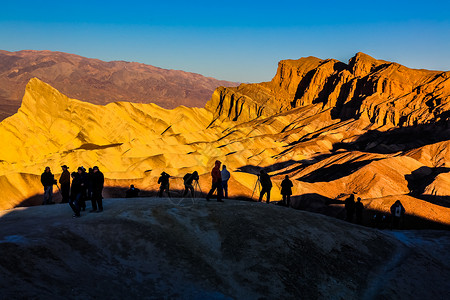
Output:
(100, 82)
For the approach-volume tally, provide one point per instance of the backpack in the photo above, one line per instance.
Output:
(398, 211)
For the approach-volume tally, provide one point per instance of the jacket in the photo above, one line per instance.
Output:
(215, 173)
(47, 179)
(65, 177)
(286, 187)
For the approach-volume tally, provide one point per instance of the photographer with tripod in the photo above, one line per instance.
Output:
(266, 185)
(164, 184)
(188, 180)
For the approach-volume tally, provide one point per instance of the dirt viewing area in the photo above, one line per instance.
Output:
(160, 248)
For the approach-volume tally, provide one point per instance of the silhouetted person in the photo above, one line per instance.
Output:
(350, 207)
(286, 191)
(188, 179)
(88, 184)
(48, 180)
(225, 174)
(64, 180)
(75, 194)
(98, 181)
(216, 182)
(132, 192)
(83, 187)
(266, 185)
(397, 213)
(164, 184)
(359, 207)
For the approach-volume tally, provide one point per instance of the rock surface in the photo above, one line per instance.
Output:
(164, 248)
(100, 82)
(277, 126)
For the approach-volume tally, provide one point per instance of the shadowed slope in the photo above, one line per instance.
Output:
(234, 250)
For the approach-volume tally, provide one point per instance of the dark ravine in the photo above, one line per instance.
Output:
(153, 248)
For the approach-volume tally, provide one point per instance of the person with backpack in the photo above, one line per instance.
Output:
(188, 179)
(163, 180)
(397, 213)
(286, 190)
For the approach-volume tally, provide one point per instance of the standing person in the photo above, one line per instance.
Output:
(225, 174)
(89, 184)
(48, 180)
(83, 184)
(75, 194)
(98, 181)
(266, 185)
(397, 213)
(188, 179)
(164, 185)
(350, 207)
(216, 182)
(286, 191)
(359, 207)
(64, 180)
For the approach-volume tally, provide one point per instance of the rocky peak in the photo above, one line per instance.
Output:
(362, 64)
(384, 93)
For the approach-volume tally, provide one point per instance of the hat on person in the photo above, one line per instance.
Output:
(64, 166)
(95, 168)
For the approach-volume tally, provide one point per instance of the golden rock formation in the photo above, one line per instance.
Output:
(371, 127)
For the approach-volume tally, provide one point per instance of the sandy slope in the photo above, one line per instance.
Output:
(154, 248)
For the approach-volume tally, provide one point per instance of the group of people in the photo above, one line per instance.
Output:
(76, 188)
(352, 208)
(219, 183)
(356, 208)
(266, 187)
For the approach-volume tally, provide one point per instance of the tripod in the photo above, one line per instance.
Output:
(197, 185)
(257, 184)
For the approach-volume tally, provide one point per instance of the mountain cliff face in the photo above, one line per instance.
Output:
(100, 82)
(384, 93)
(382, 138)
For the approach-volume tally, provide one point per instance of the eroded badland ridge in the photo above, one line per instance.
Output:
(100, 82)
(370, 127)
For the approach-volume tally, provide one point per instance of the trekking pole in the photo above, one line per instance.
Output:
(58, 188)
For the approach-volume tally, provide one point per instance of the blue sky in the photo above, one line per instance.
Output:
(232, 40)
